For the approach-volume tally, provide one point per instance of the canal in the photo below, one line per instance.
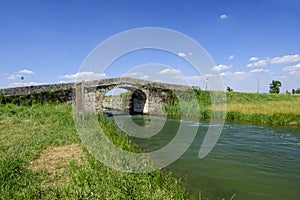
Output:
(249, 161)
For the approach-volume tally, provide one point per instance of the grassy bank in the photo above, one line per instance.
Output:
(276, 109)
(41, 157)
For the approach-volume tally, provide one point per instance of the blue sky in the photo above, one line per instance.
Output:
(47, 41)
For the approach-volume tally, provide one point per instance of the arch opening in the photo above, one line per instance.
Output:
(126, 99)
(138, 102)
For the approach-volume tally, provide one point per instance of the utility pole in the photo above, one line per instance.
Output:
(22, 78)
(206, 84)
(257, 80)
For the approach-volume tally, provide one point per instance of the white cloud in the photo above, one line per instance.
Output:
(259, 70)
(169, 71)
(20, 84)
(223, 16)
(66, 81)
(282, 77)
(293, 72)
(144, 77)
(26, 71)
(226, 73)
(239, 73)
(192, 78)
(220, 67)
(89, 75)
(231, 56)
(13, 77)
(258, 63)
(19, 74)
(292, 68)
(253, 59)
(134, 74)
(181, 54)
(209, 76)
(286, 59)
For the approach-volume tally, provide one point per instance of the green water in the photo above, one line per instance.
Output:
(250, 161)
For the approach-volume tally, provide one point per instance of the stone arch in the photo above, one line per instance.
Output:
(89, 94)
(138, 103)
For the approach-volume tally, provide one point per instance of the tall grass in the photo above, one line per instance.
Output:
(278, 109)
(26, 132)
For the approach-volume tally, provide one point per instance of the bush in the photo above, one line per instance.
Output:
(1, 98)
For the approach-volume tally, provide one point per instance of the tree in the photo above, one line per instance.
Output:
(275, 87)
(297, 91)
(1, 98)
(229, 89)
(293, 91)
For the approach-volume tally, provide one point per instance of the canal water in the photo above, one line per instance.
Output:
(249, 161)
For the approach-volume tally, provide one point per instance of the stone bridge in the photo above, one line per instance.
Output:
(147, 97)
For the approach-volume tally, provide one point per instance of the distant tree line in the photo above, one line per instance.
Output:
(275, 88)
(297, 91)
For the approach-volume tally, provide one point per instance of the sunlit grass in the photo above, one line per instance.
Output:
(269, 107)
(277, 109)
(35, 163)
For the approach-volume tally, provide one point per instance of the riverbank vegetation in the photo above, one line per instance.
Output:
(41, 157)
(276, 109)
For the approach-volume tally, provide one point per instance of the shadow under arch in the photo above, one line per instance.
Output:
(138, 102)
(135, 103)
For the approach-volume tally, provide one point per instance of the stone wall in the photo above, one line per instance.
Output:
(36, 89)
(115, 103)
(41, 94)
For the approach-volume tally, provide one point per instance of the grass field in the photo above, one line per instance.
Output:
(41, 157)
(277, 109)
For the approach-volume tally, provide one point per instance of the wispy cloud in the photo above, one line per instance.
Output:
(13, 76)
(239, 73)
(231, 56)
(19, 74)
(133, 74)
(228, 73)
(20, 84)
(26, 71)
(220, 67)
(253, 59)
(292, 68)
(88, 75)
(293, 72)
(181, 54)
(169, 71)
(205, 76)
(223, 16)
(259, 70)
(286, 59)
(144, 77)
(258, 63)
